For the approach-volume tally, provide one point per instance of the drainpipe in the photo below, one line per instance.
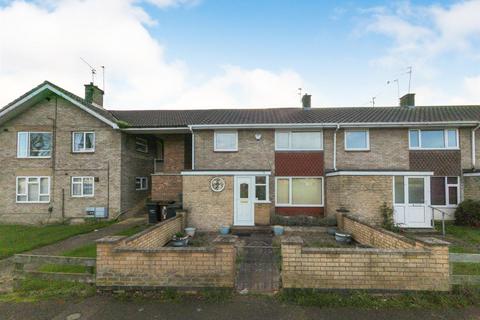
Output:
(473, 145)
(335, 148)
(193, 147)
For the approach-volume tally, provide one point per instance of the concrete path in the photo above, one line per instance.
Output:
(6, 265)
(243, 307)
(258, 270)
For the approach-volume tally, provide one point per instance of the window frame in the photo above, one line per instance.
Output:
(290, 134)
(290, 192)
(141, 142)
(82, 183)
(217, 132)
(84, 150)
(447, 195)
(28, 146)
(445, 139)
(26, 189)
(267, 189)
(347, 131)
(141, 185)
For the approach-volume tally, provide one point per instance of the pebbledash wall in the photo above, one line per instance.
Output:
(142, 261)
(396, 262)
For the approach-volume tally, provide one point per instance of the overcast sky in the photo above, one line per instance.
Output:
(248, 53)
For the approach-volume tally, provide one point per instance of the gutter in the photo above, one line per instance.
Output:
(335, 147)
(473, 146)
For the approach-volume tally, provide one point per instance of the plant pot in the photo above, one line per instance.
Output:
(190, 231)
(278, 230)
(343, 237)
(331, 231)
(224, 230)
(179, 242)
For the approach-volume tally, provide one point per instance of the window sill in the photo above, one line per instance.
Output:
(80, 197)
(33, 202)
(141, 189)
(263, 202)
(433, 149)
(225, 151)
(34, 157)
(357, 150)
(80, 152)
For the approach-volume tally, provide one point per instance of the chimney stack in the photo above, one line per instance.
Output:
(307, 101)
(408, 100)
(94, 94)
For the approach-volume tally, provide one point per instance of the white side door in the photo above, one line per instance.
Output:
(244, 201)
(411, 202)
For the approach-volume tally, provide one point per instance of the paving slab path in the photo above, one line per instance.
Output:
(57, 248)
(258, 270)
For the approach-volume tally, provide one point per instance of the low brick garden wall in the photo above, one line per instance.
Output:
(396, 262)
(142, 261)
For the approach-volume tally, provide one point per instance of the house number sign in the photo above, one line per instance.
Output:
(217, 184)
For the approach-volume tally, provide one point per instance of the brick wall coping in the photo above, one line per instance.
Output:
(166, 249)
(366, 251)
(295, 240)
(110, 239)
(430, 241)
(149, 229)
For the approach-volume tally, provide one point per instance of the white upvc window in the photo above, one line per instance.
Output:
(357, 140)
(141, 145)
(225, 141)
(298, 140)
(299, 191)
(33, 190)
(141, 183)
(261, 189)
(433, 139)
(83, 187)
(83, 142)
(34, 144)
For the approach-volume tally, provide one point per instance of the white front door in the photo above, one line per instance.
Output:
(411, 202)
(244, 198)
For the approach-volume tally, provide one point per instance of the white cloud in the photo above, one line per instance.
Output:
(46, 39)
(427, 38)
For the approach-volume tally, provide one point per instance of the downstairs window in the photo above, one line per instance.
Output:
(444, 191)
(299, 192)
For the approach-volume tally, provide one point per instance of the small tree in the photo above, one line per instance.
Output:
(387, 215)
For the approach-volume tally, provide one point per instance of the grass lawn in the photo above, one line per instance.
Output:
(31, 290)
(464, 268)
(19, 238)
(464, 239)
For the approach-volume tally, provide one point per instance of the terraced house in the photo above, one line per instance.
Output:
(67, 157)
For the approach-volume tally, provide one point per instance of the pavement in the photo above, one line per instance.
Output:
(241, 307)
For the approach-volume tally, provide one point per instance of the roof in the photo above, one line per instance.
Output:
(162, 118)
(46, 85)
(353, 115)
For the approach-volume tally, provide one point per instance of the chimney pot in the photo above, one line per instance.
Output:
(307, 101)
(408, 100)
(94, 94)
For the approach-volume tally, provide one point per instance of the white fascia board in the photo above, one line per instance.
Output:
(157, 130)
(226, 173)
(471, 174)
(66, 97)
(380, 173)
(335, 125)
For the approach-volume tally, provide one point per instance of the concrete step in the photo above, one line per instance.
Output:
(251, 230)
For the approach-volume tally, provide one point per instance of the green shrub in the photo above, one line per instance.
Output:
(468, 213)
(387, 215)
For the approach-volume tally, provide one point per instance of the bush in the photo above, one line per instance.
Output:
(468, 213)
(387, 216)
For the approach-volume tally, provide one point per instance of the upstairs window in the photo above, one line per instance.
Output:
(141, 145)
(225, 141)
(141, 183)
(83, 141)
(298, 140)
(34, 145)
(357, 140)
(433, 139)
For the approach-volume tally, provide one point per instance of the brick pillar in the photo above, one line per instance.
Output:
(291, 252)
